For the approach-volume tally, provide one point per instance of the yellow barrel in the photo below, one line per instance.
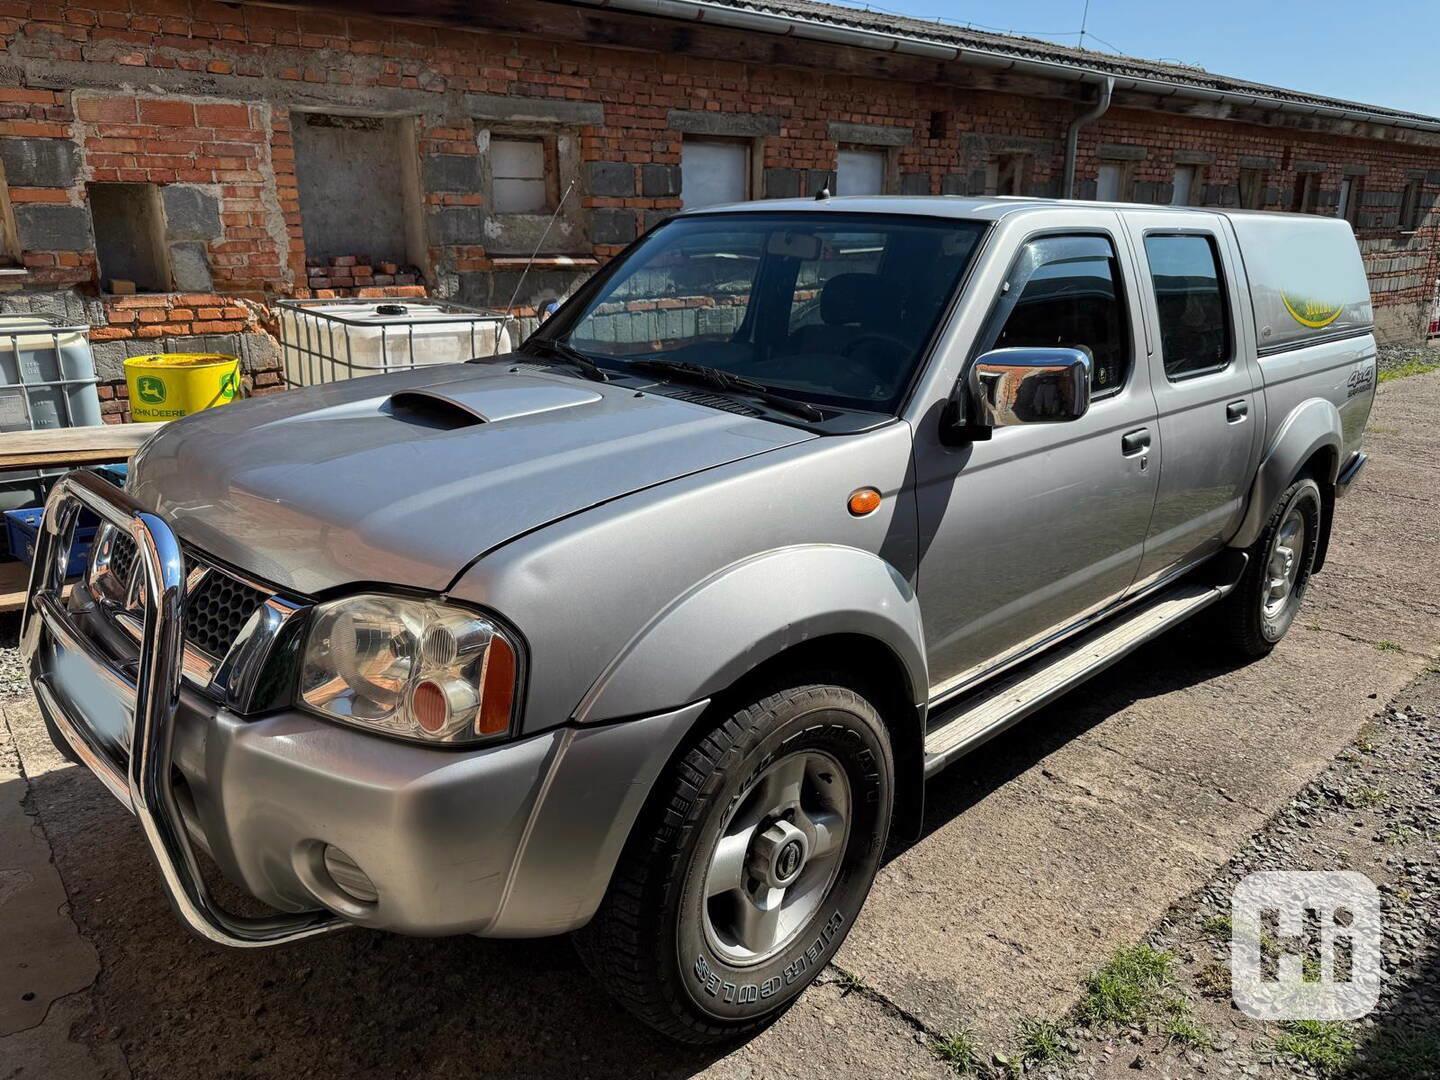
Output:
(168, 385)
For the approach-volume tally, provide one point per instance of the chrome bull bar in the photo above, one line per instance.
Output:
(143, 782)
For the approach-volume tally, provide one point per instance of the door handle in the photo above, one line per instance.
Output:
(1135, 442)
(1236, 411)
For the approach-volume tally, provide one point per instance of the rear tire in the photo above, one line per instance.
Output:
(1257, 614)
(749, 869)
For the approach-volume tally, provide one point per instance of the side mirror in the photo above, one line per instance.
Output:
(1021, 386)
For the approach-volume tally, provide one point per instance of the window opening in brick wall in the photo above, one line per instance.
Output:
(9, 235)
(1005, 174)
(1352, 191)
(1304, 198)
(714, 171)
(359, 188)
(1410, 209)
(1252, 189)
(522, 174)
(1184, 185)
(129, 228)
(860, 170)
(1112, 183)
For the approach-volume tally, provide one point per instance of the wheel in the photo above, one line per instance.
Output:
(746, 875)
(1256, 615)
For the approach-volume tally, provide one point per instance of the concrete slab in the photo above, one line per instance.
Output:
(42, 956)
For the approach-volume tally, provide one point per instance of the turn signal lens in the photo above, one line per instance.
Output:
(497, 689)
(864, 501)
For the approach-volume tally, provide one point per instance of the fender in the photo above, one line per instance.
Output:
(1313, 425)
(753, 610)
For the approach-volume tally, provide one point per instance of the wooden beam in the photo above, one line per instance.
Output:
(14, 582)
(101, 445)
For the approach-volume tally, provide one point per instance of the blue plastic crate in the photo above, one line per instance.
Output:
(23, 527)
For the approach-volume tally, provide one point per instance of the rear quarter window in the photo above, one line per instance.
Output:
(1190, 303)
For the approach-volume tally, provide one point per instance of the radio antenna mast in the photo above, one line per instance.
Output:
(538, 245)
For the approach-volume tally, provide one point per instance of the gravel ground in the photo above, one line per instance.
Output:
(1374, 810)
(1393, 357)
(12, 669)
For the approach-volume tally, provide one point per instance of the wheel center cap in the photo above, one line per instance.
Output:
(779, 854)
(787, 863)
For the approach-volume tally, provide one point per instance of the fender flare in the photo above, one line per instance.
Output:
(751, 611)
(1312, 426)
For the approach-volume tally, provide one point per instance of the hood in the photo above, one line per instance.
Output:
(404, 479)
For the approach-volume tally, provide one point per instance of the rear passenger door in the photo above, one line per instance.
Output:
(1205, 385)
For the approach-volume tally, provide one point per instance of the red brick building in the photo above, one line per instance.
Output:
(219, 155)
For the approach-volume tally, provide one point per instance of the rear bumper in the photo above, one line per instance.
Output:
(1350, 473)
(511, 840)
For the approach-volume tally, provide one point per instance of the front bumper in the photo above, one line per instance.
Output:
(512, 840)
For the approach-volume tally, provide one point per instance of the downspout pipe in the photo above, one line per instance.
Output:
(1072, 136)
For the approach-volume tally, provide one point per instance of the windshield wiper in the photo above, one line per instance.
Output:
(570, 355)
(683, 371)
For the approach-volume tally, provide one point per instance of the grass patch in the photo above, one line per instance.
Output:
(848, 983)
(1410, 367)
(1042, 1042)
(1129, 986)
(1213, 980)
(961, 1051)
(1217, 926)
(1387, 646)
(1362, 796)
(1325, 1045)
(1180, 1027)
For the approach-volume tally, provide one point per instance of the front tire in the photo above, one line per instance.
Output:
(1257, 614)
(759, 850)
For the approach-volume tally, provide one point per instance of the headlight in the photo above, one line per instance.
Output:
(417, 668)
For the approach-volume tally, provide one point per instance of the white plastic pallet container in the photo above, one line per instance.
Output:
(47, 381)
(324, 341)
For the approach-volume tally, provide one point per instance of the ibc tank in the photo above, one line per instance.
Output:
(47, 381)
(329, 340)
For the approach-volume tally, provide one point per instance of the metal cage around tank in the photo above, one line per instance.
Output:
(324, 341)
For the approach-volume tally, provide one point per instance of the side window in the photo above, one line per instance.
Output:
(1190, 304)
(1064, 291)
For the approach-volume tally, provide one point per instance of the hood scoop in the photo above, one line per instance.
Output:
(455, 407)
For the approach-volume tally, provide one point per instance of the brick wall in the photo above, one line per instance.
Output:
(224, 85)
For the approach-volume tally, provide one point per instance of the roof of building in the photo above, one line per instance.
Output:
(1035, 50)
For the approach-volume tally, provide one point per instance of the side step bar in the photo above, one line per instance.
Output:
(989, 710)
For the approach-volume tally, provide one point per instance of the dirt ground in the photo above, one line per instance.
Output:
(1043, 852)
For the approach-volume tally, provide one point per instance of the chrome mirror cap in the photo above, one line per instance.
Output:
(1029, 386)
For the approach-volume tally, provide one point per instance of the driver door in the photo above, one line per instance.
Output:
(1043, 524)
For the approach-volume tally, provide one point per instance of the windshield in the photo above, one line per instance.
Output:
(833, 309)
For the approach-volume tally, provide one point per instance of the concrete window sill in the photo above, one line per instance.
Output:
(546, 262)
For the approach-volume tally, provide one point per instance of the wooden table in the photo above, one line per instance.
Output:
(61, 448)
(104, 444)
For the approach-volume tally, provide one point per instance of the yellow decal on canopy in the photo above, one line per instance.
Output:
(1316, 314)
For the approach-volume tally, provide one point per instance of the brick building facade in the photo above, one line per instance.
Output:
(210, 150)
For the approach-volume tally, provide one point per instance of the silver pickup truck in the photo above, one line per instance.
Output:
(654, 629)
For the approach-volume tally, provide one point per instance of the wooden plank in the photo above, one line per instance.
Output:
(101, 445)
(14, 581)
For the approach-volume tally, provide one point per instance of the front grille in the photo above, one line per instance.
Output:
(217, 611)
(122, 557)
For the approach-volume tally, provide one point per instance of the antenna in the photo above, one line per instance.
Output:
(1084, 18)
(538, 245)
